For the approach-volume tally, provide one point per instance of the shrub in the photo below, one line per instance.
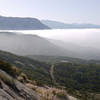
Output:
(61, 96)
(6, 78)
(10, 69)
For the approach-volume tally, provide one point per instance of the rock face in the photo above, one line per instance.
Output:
(72, 98)
(15, 90)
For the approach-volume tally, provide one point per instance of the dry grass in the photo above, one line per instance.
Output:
(48, 93)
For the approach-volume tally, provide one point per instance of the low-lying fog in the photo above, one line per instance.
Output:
(82, 37)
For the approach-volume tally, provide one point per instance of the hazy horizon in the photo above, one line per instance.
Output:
(67, 11)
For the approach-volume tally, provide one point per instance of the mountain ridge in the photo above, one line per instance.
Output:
(62, 25)
(21, 23)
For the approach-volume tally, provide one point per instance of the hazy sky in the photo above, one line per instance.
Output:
(70, 11)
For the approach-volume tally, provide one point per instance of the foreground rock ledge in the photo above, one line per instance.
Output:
(16, 92)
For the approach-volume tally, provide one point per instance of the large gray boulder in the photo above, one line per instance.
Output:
(11, 89)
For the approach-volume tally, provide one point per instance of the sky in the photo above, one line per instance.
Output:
(67, 11)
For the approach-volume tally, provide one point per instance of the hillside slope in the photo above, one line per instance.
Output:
(23, 44)
(15, 85)
(34, 69)
(30, 45)
(84, 52)
(83, 76)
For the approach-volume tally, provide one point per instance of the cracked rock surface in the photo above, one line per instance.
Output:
(16, 91)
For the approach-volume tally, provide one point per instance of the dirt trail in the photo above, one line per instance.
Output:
(52, 72)
(52, 75)
(54, 81)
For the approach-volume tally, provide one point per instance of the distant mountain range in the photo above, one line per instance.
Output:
(60, 25)
(18, 23)
(22, 44)
(28, 23)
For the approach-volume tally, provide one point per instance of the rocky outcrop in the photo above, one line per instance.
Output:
(14, 90)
